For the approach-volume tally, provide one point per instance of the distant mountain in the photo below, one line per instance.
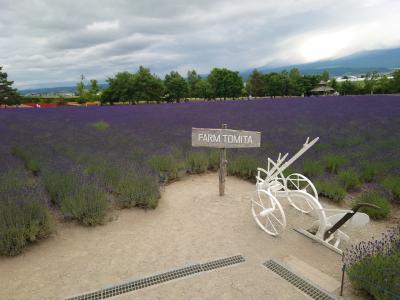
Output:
(50, 90)
(384, 60)
(53, 90)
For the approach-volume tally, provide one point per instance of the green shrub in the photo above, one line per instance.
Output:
(33, 166)
(138, 154)
(100, 125)
(13, 180)
(313, 168)
(288, 171)
(103, 170)
(81, 201)
(59, 185)
(334, 162)
(87, 204)
(196, 162)
(331, 190)
(373, 198)
(392, 185)
(61, 101)
(178, 152)
(349, 179)
(18, 152)
(213, 160)
(370, 170)
(97, 166)
(138, 191)
(244, 167)
(21, 225)
(26, 156)
(378, 275)
(81, 100)
(165, 165)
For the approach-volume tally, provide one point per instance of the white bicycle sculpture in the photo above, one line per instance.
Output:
(272, 187)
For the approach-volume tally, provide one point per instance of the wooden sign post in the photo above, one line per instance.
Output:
(222, 167)
(224, 138)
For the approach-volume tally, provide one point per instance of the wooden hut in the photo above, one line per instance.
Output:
(322, 89)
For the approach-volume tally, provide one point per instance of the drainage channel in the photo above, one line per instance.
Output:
(310, 289)
(159, 278)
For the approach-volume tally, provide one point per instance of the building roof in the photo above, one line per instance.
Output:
(323, 89)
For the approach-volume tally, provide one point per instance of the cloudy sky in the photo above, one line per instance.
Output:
(52, 42)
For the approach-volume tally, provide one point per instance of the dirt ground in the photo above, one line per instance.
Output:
(191, 225)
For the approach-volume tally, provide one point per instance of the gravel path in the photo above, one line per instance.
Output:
(191, 225)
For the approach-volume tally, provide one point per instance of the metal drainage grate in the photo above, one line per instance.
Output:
(159, 278)
(307, 287)
(89, 296)
(223, 262)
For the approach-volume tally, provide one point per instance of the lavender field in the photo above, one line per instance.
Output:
(82, 161)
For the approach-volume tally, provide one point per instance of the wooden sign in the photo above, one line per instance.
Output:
(224, 138)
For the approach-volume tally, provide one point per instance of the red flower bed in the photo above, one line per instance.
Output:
(41, 105)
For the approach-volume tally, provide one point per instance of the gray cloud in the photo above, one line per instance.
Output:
(52, 42)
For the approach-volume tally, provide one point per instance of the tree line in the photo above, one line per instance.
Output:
(144, 86)
(221, 83)
(373, 83)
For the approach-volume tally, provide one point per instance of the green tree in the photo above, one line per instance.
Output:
(325, 76)
(176, 86)
(225, 83)
(85, 94)
(285, 84)
(107, 97)
(271, 84)
(192, 78)
(80, 88)
(146, 86)
(256, 84)
(384, 85)
(8, 95)
(94, 90)
(202, 89)
(277, 84)
(295, 88)
(370, 82)
(216, 79)
(347, 88)
(120, 88)
(234, 84)
(308, 82)
(333, 84)
(396, 81)
(133, 87)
